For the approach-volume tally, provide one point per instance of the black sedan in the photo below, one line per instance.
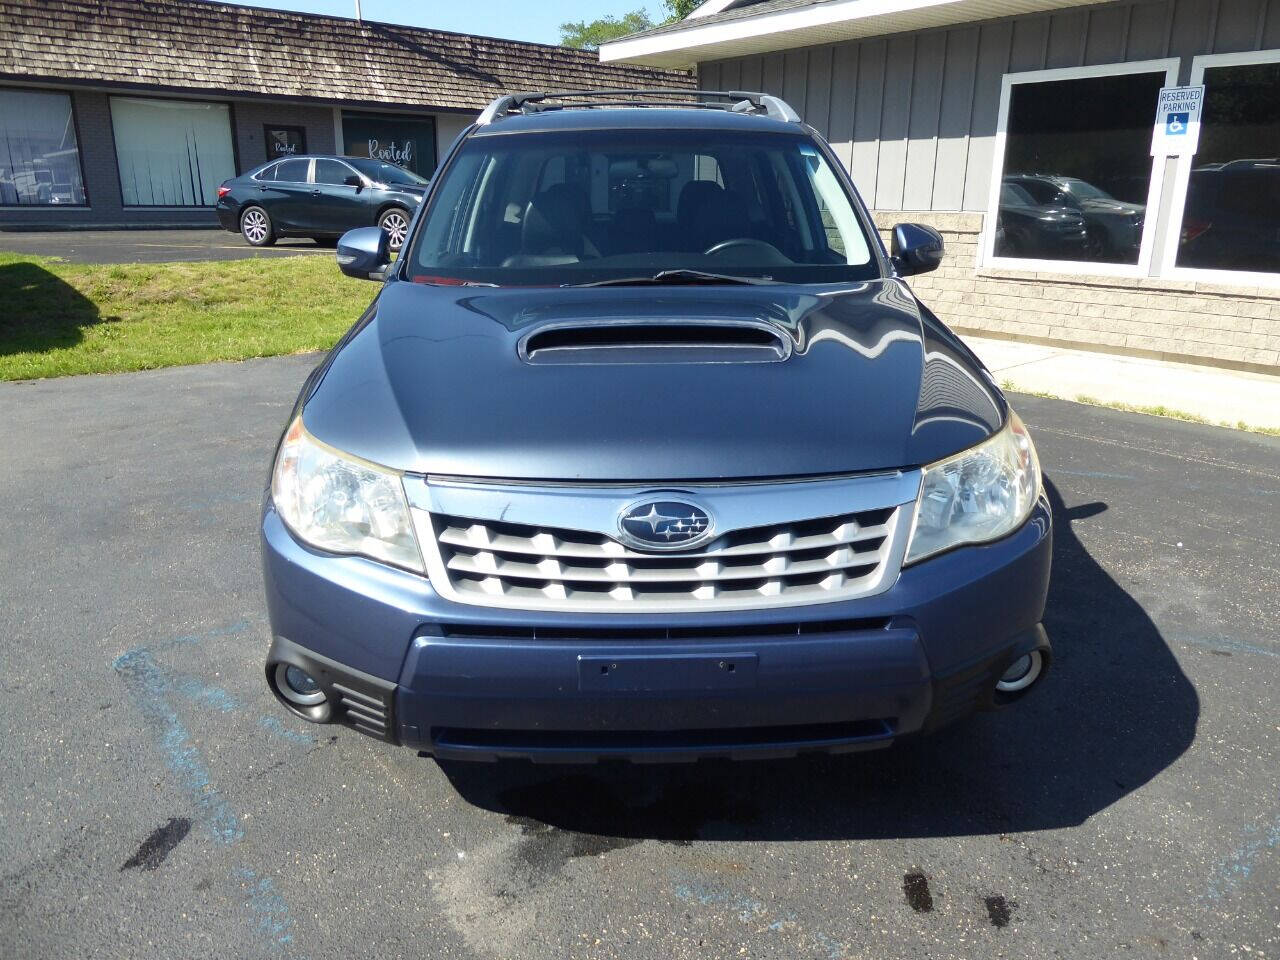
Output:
(320, 197)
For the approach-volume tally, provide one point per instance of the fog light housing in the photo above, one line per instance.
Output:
(1022, 673)
(298, 686)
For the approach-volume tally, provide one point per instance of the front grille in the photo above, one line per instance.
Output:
(737, 631)
(806, 561)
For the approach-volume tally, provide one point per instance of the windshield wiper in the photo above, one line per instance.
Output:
(665, 277)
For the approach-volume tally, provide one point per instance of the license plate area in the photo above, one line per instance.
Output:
(670, 674)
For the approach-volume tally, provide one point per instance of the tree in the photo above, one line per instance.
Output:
(588, 36)
(583, 35)
(679, 9)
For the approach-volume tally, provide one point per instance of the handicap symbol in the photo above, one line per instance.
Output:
(1176, 124)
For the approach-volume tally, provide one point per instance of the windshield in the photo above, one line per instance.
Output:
(1085, 191)
(381, 172)
(613, 205)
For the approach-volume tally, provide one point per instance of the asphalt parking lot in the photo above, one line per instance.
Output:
(157, 803)
(148, 246)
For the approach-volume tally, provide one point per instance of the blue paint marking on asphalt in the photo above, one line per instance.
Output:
(151, 690)
(273, 725)
(1238, 867)
(271, 912)
(752, 911)
(205, 694)
(147, 685)
(230, 630)
(1092, 474)
(1227, 644)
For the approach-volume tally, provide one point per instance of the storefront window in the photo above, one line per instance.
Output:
(408, 142)
(1075, 177)
(172, 153)
(283, 141)
(39, 156)
(1231, 218)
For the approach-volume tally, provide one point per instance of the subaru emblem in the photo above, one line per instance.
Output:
(658, 524)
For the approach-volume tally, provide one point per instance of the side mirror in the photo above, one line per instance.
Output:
(915, 249)
(365, 253)
(353, 181)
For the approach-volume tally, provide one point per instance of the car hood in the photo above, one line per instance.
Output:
(1118, 207)
(440, 380)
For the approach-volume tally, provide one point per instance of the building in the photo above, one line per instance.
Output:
(1027, 132)
(131, 112)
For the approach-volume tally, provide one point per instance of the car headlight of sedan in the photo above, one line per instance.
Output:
(338, 503)
(978, 495)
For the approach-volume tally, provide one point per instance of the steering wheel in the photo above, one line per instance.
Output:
(738, 243)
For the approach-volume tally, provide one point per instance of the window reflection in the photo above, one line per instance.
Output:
(39, 156)
(1077, 169)
(171, 153)
(1231, 220)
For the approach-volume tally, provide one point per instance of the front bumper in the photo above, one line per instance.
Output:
(457, 680)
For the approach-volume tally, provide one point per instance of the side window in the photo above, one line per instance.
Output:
(839, 224)
(446, 231)
(332, 172)
(267, 173)
(707, 168)
(553, 172)
(292, 171)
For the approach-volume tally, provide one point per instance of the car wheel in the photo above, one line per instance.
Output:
(395, 222)
(256, 227)
(1096, 247)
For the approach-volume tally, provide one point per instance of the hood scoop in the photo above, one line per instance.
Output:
(656, 341)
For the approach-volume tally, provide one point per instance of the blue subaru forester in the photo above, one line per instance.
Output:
(646, 450)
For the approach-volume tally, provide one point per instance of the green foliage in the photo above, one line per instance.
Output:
(582, 35)
(679, 9)
(588, 35)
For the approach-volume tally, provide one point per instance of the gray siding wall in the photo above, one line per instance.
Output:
(914, 115)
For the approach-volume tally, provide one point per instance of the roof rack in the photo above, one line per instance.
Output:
(736, 101)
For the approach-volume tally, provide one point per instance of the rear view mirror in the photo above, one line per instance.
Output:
(353, 181)
(916, 248)
(365, 253)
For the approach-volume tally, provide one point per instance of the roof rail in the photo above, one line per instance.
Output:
(737, 101)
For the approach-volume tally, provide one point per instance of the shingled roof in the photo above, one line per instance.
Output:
(197, 45)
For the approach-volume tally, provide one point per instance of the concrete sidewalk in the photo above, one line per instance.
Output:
(1227, 397)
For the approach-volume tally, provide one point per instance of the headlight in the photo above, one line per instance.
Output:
(978, 495)
(340, 504)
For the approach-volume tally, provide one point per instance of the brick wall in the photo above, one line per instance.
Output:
(1167, 319)
(249, 117)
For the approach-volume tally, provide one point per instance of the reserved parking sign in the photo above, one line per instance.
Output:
(1177, 126)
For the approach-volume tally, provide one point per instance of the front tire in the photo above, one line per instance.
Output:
(395, 224)
(256, 227)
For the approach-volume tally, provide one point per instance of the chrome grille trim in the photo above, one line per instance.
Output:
(780, 544)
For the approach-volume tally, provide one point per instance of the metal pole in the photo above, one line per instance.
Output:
(358, 17)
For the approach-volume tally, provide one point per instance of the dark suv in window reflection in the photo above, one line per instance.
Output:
(1026, 227)
(320, 197)
(1232, 217)
(1113, 228)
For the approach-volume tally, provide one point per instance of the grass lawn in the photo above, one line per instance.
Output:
(61, 318)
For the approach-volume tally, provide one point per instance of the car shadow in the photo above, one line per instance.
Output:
(41, 311)
(1115, 710)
